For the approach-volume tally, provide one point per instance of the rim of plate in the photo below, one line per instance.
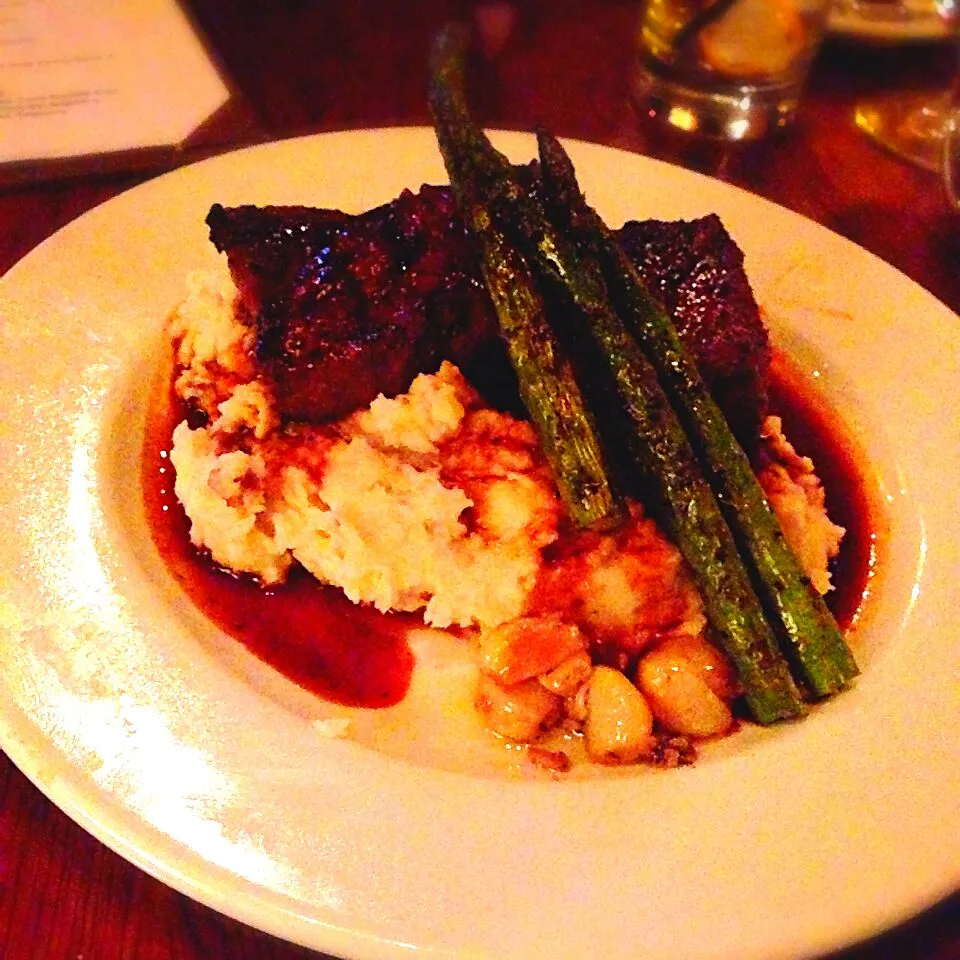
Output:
(407, 848)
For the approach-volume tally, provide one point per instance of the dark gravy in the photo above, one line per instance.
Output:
(356, 656)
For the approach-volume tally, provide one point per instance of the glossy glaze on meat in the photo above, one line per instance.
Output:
(350, 306)
(696, 270)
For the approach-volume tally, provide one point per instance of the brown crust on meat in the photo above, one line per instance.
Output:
(696, 270)
(350, 306)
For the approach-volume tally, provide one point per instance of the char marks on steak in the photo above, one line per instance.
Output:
(350, 306)
(696, 271)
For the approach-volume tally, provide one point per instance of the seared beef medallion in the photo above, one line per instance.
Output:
(350, 306)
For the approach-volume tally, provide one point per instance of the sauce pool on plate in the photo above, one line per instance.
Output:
(309, 632)
(356, 656)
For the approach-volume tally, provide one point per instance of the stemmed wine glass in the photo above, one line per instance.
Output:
(914, 126)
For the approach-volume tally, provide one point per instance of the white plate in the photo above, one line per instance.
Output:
(156, 734)
(906, 21)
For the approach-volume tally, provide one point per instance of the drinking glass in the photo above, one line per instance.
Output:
(913, 126)
(726, 68)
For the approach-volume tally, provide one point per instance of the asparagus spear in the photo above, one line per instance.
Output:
(485, 186)
(548, 387)
(547, 384)
(812, 639)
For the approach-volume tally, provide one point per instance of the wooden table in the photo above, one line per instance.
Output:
(301, 67)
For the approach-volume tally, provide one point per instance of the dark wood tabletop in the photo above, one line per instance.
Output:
(301, 66)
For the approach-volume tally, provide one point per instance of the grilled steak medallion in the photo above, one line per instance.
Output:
(351, 306)
(348, 307)
(696, 271)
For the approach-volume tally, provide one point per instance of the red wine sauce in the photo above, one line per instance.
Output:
(355, 655)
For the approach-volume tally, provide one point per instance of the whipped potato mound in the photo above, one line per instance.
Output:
(799, 501)
(426, 501)
(212, 348)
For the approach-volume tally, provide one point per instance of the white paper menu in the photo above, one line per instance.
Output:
(82, 77)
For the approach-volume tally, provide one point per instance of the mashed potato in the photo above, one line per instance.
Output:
(432, 502)
(387, 504)
(426, 501)
(798, 499)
